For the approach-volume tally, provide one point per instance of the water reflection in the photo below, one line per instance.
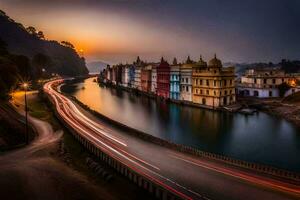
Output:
(260, 138)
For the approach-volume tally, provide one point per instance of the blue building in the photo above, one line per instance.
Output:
(131, 76)
(175, 80)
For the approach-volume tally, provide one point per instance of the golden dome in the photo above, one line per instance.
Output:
(215, 62)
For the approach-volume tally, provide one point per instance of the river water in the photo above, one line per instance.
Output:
(257, 138)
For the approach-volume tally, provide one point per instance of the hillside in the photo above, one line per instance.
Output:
(57, 58)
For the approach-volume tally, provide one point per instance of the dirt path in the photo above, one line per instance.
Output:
(32, 173)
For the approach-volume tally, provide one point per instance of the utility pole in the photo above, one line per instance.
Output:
(25, 86)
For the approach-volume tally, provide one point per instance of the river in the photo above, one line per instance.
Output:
(260, 138)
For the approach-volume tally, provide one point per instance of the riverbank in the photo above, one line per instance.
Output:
(56, 166)
(288, 110)
(230, 108)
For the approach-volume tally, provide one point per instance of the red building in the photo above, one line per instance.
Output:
(146, 79)
(163, 79)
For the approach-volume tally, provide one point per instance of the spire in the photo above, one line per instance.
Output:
(138, 60)
(201, 57)
(175, 61)
(162, 60)
(188, 60)
(215, 55)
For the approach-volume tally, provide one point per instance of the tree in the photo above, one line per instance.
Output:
(283, 88)
(41, 35)
(31, 30)
(3, 47)
(40, 61)
(67, 44)
(23, 66)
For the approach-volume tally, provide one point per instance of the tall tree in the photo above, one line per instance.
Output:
(67, 44)
(41, 35)
(31, 30)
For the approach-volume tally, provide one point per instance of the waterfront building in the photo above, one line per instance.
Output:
(117, 74)
(154, 79)
(265, 83)
(175, 80)
(131, 76)
(113, 74)
(163, 79)
(138, 65)
(186, 80)
(213, 84)
(108, 73)
(125, 75)
(146, 78)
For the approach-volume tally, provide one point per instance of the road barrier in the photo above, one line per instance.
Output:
(289, 176)
(150, 184)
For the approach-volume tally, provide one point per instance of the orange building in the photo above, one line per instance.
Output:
(146, 78)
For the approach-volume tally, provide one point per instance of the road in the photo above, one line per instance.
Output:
(189, 176)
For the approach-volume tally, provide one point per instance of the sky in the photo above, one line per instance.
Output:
(118, 30)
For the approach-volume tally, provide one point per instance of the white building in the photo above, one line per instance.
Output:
(154, 79)
(137, 78)
(186, 92)
(125, 75)
(263, 83)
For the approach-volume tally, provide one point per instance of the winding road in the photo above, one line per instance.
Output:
(188, 176)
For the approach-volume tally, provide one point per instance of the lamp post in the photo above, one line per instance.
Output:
(25, 86)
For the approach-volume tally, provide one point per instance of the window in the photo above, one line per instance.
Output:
(255, 81)
(196, 81)
(201, 92)
(265, 81)
(207, 82)
(270, 93)
(274, 81)
(187, 88)
(225, 82)
(230, 81)
(225, 92)
(200, 81)
(203, 101)
(215, 93)
(215, 83)
(186, 80)
(207, 92)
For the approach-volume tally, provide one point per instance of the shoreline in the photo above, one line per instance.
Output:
(275, 107)
(259, 167)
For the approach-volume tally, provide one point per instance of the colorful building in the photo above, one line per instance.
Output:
(213, 85)
(163, 79)
(138, 65)
(154, 79)
(125, 75)
(146, 78)
(117, 73)
(131, 76)
(175, 80)
(186, 80)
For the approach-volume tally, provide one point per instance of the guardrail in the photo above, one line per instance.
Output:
(265, 169)
(139, 178)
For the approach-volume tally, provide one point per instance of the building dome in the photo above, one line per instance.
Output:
(215, 62)
(201, 62)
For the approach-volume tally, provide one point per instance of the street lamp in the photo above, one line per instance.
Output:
(25, 87)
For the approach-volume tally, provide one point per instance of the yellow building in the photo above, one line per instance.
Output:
(213, 85)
